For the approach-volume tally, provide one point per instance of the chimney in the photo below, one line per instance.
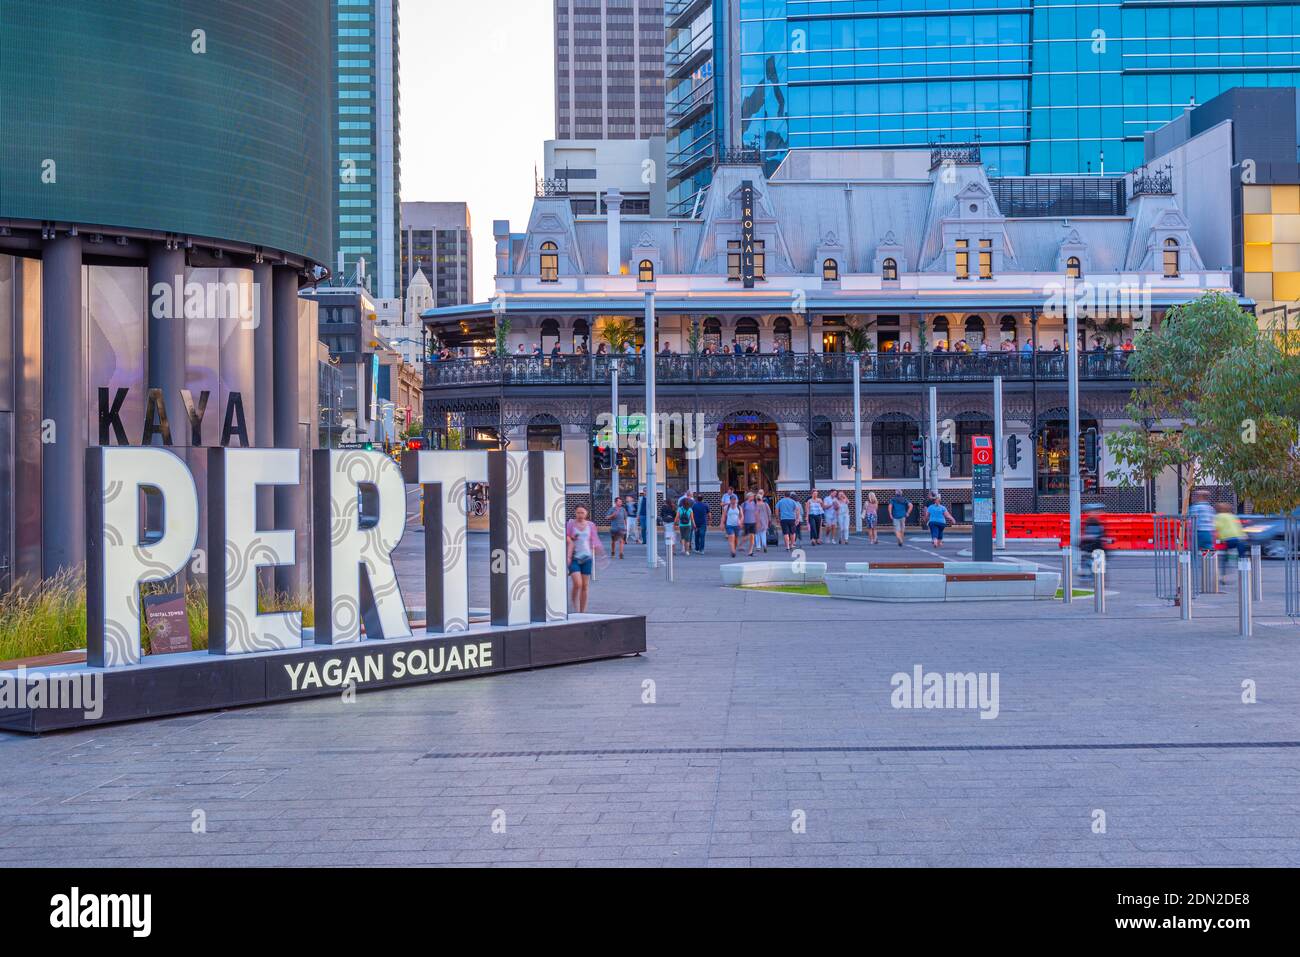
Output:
(613, 231)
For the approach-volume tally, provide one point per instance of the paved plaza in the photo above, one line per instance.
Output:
(758, 729)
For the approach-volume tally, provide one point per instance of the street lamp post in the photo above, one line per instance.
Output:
(1072, 338)
(651, 478)
(613, 378)
(812, 478)
(857, 438)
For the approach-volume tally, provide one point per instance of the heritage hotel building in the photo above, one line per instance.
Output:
(918, 248)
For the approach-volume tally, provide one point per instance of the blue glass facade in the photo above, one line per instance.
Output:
(1047, 86)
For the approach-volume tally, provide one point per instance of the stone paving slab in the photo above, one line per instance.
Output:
(772, 739)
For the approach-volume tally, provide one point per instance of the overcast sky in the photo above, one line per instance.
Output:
(478, 101)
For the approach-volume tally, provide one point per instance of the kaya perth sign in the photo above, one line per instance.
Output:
(354, 580)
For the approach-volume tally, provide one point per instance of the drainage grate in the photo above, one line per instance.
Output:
(866, 749)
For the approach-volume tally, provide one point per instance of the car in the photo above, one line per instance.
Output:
(1268, 532)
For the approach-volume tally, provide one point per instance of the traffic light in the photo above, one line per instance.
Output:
(846, 455)
(945, 454)
(1091, 450)
(414, 445)
(1013, 451)
(604, 460)
(918, 451)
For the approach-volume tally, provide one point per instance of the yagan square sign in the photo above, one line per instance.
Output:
(363, 635)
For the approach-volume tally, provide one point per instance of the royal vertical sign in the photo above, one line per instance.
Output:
(747, 233)
(982, 497)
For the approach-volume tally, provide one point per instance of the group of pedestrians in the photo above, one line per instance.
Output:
(1217, 523)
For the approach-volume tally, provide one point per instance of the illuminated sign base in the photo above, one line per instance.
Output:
(197, 681)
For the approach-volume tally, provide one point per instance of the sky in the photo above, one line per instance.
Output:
(478, 101)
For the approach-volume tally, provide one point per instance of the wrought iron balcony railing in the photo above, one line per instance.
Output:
(787, 368)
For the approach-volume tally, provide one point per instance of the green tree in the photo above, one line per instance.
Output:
(618, 331)
(1250, 416)
(1170, 364)
(857, 335)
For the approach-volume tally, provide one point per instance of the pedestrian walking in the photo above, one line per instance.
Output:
(831, 518)
(633, 525)
(701, 510)
(763, 520)
(1228, 529)
(617, 518)
(872, 517)
(642, 516)
(787, 510)
(900, 510)
(581, 553)
(730, 520)
(749, 520)
(686, 524)
(816, 511)
(938, 517)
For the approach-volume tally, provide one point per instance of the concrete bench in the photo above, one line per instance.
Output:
(946, 581)
(772, 573)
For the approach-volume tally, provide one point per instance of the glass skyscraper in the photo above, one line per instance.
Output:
(1045, 86)
(367, 144)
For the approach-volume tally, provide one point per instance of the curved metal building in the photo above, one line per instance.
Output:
(164, 191)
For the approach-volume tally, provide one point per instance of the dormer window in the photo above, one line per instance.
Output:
(889, 270)
(963, 259)
(645, 272)
(1171, 258)
(986, 259)
(734, 271)
(1073, 268)
(550, 262)
(830, 271)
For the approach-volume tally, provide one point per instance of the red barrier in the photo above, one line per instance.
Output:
(1127, 531)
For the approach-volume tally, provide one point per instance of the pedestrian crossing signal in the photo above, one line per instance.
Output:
(918, 452)
(1091, 450)
(945, 454)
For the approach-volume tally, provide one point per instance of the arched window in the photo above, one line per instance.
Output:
(550, 335)
(1171, 257)
(822, 438)
(781, 333)
(581, 334)
(974, 330)
(747, 333)
(830, 270)
(940, 324)
(645, 272)
(1007, 324)
(1074, 268)
(712, 333)
(543, 434)
(550, 262)
(889, 270)
(891, 446)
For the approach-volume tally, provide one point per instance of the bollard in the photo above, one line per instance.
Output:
(1099, 581)
(1245, 623)
(1185, 586)
(668, 548)
(1067, 574)
(1257, 572)
(1210, 572)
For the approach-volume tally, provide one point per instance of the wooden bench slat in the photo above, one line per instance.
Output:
(905, 564)
(991, 578)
